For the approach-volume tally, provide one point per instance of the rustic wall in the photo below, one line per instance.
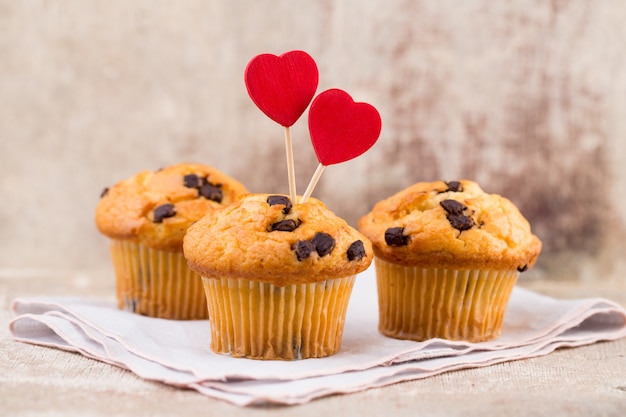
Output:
(527, 97)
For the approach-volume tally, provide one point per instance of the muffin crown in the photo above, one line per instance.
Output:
(268, 238)
(155, 208)
(452, 225)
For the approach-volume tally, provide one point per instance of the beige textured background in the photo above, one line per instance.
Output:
(527, 97)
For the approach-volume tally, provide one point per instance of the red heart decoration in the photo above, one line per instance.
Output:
(340, 128)
(282, 86)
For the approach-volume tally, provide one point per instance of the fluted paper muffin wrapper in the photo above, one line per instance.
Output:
(423, 303)
(259, 320)
(156, 283)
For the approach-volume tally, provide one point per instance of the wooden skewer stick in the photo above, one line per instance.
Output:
(290, 165)
(314, 179)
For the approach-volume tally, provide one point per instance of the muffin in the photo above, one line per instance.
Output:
(146, 217)
(447, 257)
(278, 276)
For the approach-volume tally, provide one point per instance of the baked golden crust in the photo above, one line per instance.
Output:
(484, 231)
(239, 242)
(127, 209)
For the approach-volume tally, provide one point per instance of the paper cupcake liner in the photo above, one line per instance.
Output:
(258, 320)
(420, 303)
(156, 283)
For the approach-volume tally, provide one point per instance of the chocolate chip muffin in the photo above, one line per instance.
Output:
(278, 276)
(447, 257)
(146, 217)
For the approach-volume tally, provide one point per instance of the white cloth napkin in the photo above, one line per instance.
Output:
(177, 352)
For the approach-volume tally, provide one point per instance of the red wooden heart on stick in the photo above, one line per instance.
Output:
(340, 128)
(282, 86)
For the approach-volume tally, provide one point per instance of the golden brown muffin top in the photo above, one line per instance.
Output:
(450, 225)
(156, 207)
(266, 238)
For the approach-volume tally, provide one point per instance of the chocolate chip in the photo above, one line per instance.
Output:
(211, 192)
(453, 206)
(192, 181)
(460, 221)
(280, 199)
(522, 268)
(303, 249)
(455, 216)
(394, 236)
(288, 225)
(454, 186)
(205, 189)
(104, 192)
(356, 251)
(324, 243)
(164, 211)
